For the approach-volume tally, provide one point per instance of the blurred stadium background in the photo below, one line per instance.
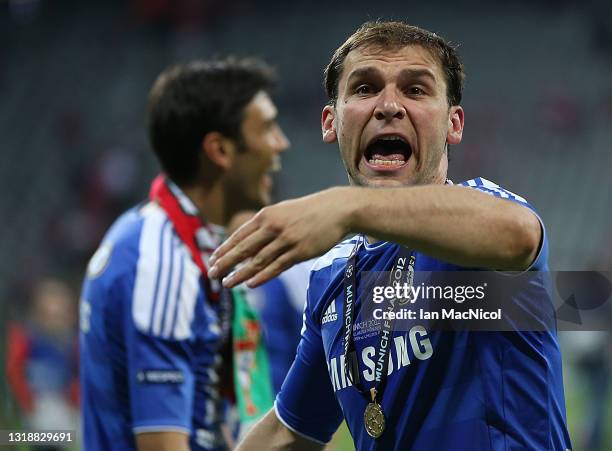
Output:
(73, 82)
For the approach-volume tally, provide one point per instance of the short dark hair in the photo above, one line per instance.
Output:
(188, 101)
(395, 35)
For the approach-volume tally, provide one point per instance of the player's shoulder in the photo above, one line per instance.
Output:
(142, 260)
(166, 282)
(492, 188)
(295, 283)
(119, 250)
(328, 268)
(339, 252)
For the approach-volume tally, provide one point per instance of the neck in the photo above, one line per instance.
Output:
(372, 239)
(210, 202)
(440, 179)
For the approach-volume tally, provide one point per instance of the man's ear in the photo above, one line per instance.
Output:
(455, 125)
(218, 149)
(328, 124)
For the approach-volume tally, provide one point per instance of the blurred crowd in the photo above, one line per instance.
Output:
(42, 359)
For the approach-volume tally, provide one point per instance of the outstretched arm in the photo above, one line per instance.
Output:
(270, 433)
(452, 223)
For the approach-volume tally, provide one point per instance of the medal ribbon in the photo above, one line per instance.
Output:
(405, 259)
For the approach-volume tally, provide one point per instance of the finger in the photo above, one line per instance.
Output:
(266, 256)
(281, 264)
(244, 249)
(238, 236)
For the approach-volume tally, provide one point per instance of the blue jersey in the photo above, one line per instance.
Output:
(149, 338)
(280, 303)
(455, 391)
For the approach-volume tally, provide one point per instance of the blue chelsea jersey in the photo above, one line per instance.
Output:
(445, 390)
(148, 340)
(280, 303)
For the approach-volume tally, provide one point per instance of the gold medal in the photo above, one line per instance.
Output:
(373, 417)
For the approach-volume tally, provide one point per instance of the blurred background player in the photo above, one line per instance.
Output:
(42, 359)
(590, 354)
(152, 324)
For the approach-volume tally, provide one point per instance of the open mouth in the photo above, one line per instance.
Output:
(388, 152)
(268, 176)
(276, 164)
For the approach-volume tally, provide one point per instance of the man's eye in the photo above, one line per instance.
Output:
(363, 89)
(416, 91)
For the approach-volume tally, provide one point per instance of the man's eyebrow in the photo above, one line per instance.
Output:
(417, 73)
(408, 73)
(362, 72)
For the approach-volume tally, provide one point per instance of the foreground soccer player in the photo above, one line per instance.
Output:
(395, 92)
(152, 323)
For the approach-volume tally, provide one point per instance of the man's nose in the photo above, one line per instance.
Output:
(282, 142)
(389, 106)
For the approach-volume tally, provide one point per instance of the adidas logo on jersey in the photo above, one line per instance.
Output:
(330, 314)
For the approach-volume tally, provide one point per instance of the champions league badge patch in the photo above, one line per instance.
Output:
(160, 377)
(99, 261)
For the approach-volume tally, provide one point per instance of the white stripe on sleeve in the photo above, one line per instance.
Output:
(164, 279)
(147, 267)
(190, 288)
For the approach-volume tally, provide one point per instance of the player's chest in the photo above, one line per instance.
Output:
(371, 347)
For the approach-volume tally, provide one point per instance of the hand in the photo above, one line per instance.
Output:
(281, 235)
(239, 219)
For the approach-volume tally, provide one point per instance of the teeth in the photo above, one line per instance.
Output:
(392, 138)
(276, 164)
(386, 162)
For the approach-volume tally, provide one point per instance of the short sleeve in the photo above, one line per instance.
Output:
(306, 403)
(161, 383)
(540, 263)
(160, 378)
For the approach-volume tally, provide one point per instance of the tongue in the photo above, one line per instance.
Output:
(389, 157)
